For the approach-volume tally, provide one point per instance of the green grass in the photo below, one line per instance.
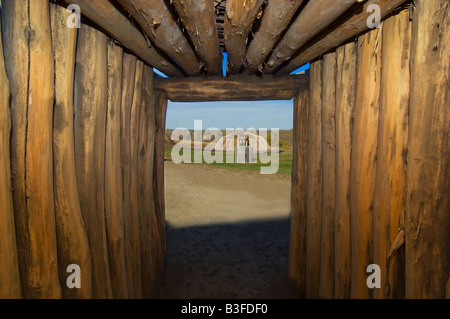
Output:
(284, 168)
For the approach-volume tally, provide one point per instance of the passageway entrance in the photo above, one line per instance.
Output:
(227, 230)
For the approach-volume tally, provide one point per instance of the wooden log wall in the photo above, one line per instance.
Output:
(9, 274)
(377, 165)
(77, 143)
(82, 125)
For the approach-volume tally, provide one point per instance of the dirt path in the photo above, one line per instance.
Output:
(227, 233)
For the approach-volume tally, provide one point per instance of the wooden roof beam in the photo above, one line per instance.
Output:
(231, 88)
(106, 16)
(314, 17)
(198, 19)
(159, 25)
(239, 20)
(345, 28)
(275, 19)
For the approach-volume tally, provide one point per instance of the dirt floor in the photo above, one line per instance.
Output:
(227, 233)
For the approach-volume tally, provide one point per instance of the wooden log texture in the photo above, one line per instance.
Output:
(234, 88)
(297, 249)
(73, 245)
(428, 184)
(106, 16)
(9, 266)
(159, 24)
(115, 231)
(345, 104)
(326, 289)
(315, 16)
(314, 184)
(276, 17)
(128, 79)
(392, 150)
(145, 171)
(35, 215)
(364, 158)
(198, 18)
(239, 20)
(349, 25)
(15, 23)
(159, 216)
(90, 129)
(134, 180)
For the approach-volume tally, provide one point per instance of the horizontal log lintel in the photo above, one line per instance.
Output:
(232, 88)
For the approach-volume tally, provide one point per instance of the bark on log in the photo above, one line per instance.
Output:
(326, 289)
(134, 180)
(90, 126)
(9, 266)
(314, 184)
(145, 167)
(115, 231)
(158, 217)
(345, 103)
(392, 150)
(428, 184)
(73, 245)
(276, 17)
(364, 158)
(198, 18)
(297, 249)
(239, 20)
(159, 25)
(235, 88)
(349, 25)
(27, 26)
(106, 16)
(128, 79)
(314, 17)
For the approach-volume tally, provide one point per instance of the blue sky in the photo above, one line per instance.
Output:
(245, 114)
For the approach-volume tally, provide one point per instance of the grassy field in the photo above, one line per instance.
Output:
(284, 168)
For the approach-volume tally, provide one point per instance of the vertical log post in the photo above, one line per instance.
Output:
(314, 184)
(113, 176)
(9, 270)
(345, 103)
(15, 23)
(30, 67)
(392, 150)
(297, 249)
(428, 184)
(364, 157)
(90, 127)
(128, 79)
(329, 175)
(134, 188)
(159, 218)
(145, 171)
(73, 246)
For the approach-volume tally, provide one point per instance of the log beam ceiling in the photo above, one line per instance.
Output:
(160, 26)
(106, 16)
(316, 16)
(351, 24)
(198, 18)
(180, 37)
(239, 20)
(276, 17)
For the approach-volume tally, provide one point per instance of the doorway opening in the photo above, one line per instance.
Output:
(228, 226)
